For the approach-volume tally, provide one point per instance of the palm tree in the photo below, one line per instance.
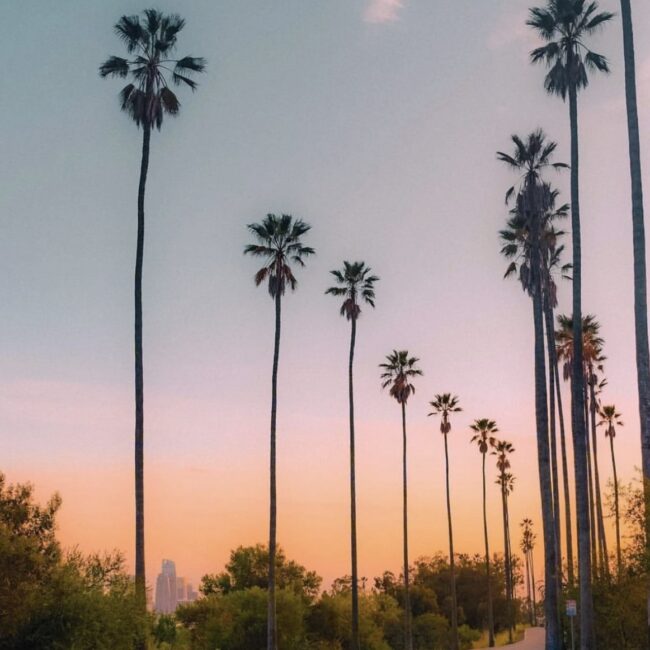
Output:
(356, 284)
(565, 25)
(502, 450)
(525, 240)
(279, 242)
(610, 419)
(527, 544)
(484, 430)
(398, 371)
(638, 241)
(592, 345)
(150, 42)
(443, 405)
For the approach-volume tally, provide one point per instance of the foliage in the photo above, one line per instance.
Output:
(249, 567)
(52, 600)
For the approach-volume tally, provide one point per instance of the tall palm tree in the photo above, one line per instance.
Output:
(355, 283)
(610, 419)
(527, 544)
(502, 450)
(484, 432)
(592, 345)
(279, 243)
(399, 370)
(150, 42)
(565, 25)
(640, 281)
(525, 240)
(444, 405)
(554, 266)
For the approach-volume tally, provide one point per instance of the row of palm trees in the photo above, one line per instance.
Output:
(530, 242)
(565, 26)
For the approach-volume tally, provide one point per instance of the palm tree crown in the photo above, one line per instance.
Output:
(151, 41)
(592, 343)
(278, 241)
(564, 24)
(399, 369)
(484, 431)
(610, 419)
(502, 449)
(444, 405)
(355, 284)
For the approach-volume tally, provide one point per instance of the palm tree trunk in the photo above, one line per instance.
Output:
(553, 635)
(604, 557)
(487, 565)
(452, 567)
(271, 629)
(595, 539)
(353, 499)
(619, 561)
(530, 598)
(407, 599)
(565, 470)
(506, 557)
(587, 638)
(512, 568)
(532, 574)
(140, 578)
(640, 290)
(550, 345)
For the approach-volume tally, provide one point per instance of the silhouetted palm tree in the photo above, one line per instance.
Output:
(639, 246)
(356, 284)
(443, 405)
(150, 42)
(527, 543)
(398, 371)
(592, 345)
(484, 430)
(610, 419)
(502, 450)
(565, 25)
(279, 243)
(527, 243)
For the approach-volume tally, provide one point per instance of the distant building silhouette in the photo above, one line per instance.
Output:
(172, 590)
(166, 589)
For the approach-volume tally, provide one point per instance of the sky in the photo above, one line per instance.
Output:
(376, 121)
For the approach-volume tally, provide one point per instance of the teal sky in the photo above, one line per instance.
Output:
(378, 124)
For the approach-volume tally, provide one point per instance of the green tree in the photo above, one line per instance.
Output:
(356, 284)
(484, 431)
(444, 405)
(150, 42)
(279, 243)
(248, 567)
(398, 372)
(610, 419)
(525, 239)
(565, 26)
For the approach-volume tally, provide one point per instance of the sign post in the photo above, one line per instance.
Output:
(571, 612)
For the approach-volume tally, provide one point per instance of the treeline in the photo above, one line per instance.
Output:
(52, 598)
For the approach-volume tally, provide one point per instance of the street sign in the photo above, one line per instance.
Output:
(571, 608)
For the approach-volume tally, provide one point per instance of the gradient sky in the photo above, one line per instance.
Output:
(377, 122)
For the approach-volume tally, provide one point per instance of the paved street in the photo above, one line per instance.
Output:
(534, 640)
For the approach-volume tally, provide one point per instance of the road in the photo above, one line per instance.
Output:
(534, 640)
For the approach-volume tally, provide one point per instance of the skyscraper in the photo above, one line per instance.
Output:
(166, 588)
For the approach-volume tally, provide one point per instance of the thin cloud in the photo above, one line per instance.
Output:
(511, 29)
(382, 11)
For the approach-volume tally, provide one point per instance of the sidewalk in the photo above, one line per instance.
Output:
(533, 640)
